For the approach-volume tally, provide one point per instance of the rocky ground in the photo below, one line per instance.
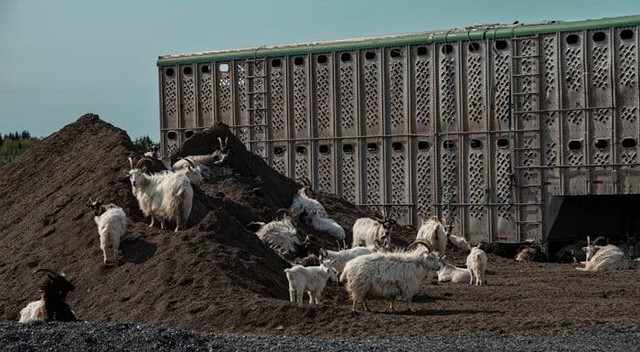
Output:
(217, 278)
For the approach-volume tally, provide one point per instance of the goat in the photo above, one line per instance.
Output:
(531, 254)
(323, 224)
(303, 203)
(432, 231)
(211, 165)
(449, 272)
(280, 235)
(51, 306)
(372, 233)
(605, 258)
(310, 279)
(477, 265)
(165, 196)
(460, 243)
(340, 258)
(112, 225)
(389, 275)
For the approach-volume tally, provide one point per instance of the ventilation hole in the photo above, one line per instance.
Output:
(298, 61)
(474, 47)
(205, 69)
(344, 57)
(276, 63)
(626, 34)
(372, 147)
(301, 150)
(223, 68)
(598, 36)
(324, 149)
(601, 143)
(396, 146)
(629, 142)
(172, 135)
(187, 70)
(169, 72)
(575, 145)
(395, 53)
(423, 145)
(572, 39)
(369, 55)
(421, 51)
(279, 151)
(448, 144)
(322, 59)
(502, 143)
(189, 134)
(447, 49)
(347, 148)
(501, 45)
(475, 144)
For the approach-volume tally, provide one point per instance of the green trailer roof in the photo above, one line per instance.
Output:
(479, 32)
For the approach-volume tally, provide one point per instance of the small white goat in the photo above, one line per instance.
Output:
(449, 272)
(310, 279)
(372, 233)
(340, 258)
(605, 258)
(477, 265)
(390, 275)
(112, 225)
(280, 235)
(165, 196)
(211, 165)
(432, 231)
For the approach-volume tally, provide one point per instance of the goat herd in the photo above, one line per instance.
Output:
(369, 270)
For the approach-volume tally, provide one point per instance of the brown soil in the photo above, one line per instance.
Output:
(217, 276)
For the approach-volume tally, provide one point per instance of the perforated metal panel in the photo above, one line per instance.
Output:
(480, 126)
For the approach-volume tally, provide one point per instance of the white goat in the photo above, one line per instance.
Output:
(324, 224)
(389, 275)
(165, 196)
(477, 265)
(432, 231)
(605, 258)
(449, 272)
(211, 165)
(340, 258)
(310, 279)
(460, 243)
(112, 225)
(368, 232)
(280, 235)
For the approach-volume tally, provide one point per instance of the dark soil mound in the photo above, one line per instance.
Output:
(217, 276)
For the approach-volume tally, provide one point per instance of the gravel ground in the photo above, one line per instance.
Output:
(84, 336)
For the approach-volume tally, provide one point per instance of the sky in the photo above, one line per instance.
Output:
(61, 59)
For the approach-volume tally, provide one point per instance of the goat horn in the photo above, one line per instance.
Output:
(220, 141)
(49, 272)
(588, 241)
(426, 244)
(193, 165)
(131, 163)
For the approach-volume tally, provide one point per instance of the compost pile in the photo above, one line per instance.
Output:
(217, 276)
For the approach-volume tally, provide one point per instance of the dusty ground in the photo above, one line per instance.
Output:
(218, 277)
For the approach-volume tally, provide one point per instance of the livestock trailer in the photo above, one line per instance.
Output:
(508, 132)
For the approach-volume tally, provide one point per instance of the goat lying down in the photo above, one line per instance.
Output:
(51, 306)
(605, 258)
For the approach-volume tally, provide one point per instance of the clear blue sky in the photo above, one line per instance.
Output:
(60, 59)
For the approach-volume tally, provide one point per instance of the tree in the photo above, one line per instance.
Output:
(145, 144)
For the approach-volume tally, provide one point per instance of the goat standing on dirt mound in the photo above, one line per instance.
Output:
(51, 306)
(112, 225)
(310, 279)
(390, 275)
(372, 233)
(165, 196)
(211, 165)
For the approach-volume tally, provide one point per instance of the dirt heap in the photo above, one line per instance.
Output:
(199, 278)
